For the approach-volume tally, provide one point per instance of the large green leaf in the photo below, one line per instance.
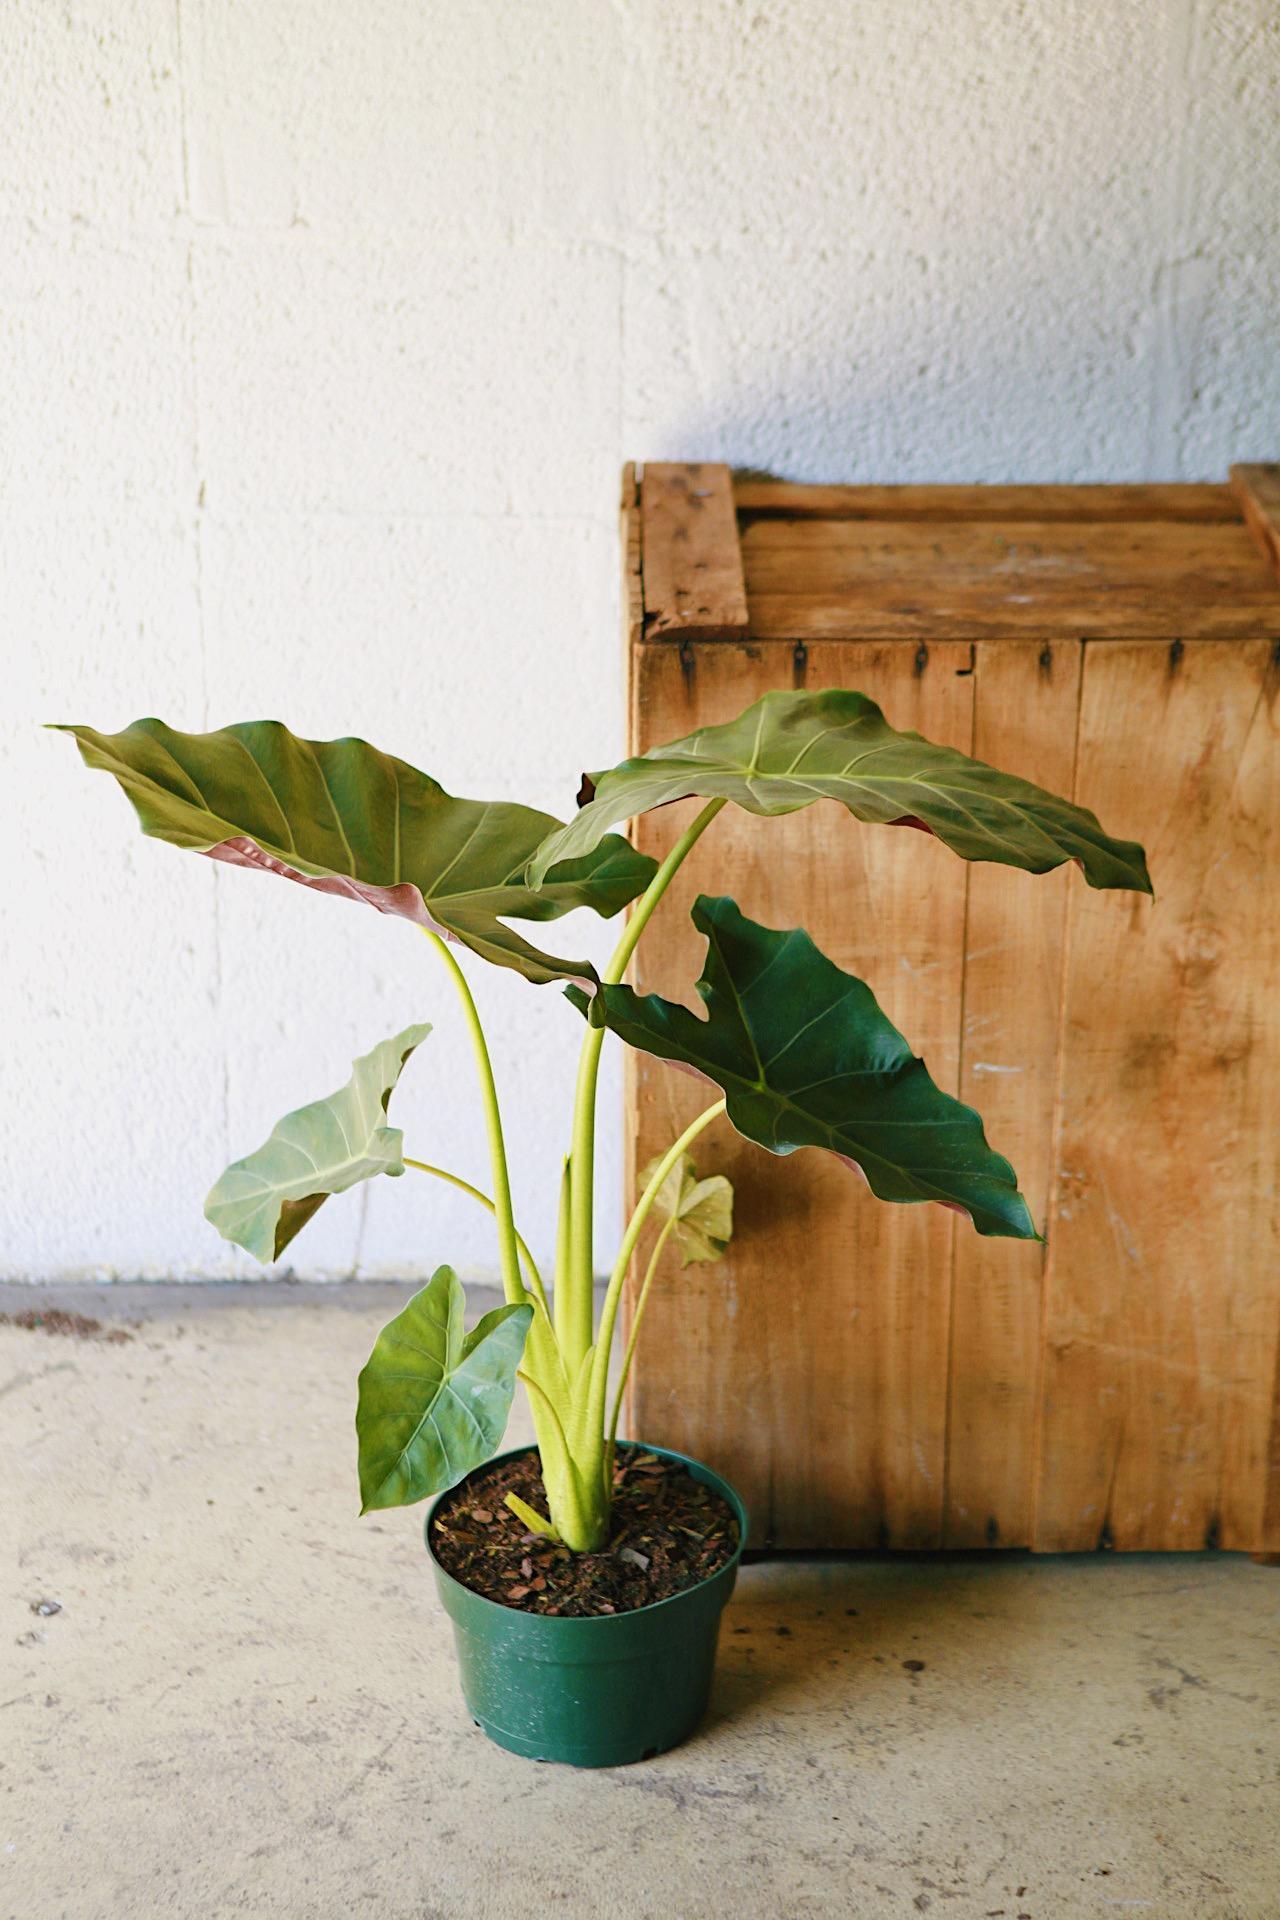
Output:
(791, 749)
(433, 1403)
(806, 1058)
(340, 816)
(261, 1202)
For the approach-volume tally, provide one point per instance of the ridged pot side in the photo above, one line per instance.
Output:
(598, 1692)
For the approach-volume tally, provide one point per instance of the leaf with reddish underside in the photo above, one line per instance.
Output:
(806, 1058)
(345, 819)
(791, 749)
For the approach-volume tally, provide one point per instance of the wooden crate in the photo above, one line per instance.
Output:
(878, 1376)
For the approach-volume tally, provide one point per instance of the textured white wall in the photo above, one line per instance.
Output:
(325, 329)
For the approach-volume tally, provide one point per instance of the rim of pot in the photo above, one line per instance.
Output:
(722, 1486)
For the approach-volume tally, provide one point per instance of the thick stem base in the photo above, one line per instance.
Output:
(578, 1505)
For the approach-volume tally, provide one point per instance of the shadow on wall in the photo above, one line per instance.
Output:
(964, 372)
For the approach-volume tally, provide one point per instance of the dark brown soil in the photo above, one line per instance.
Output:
(75, 1326)
(669, 1532)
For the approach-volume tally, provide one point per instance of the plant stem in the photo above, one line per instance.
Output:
(513, 1285)
(465, 1186)
(617, 1279)
(563, 1293)
(668, 1228)
(573, 1322)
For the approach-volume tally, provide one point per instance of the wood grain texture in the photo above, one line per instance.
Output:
(794, 500)
(1026, 695)
(810, 1364)
(1163, 1289)
(888, 613)
(813, 555)
(833, 579)
(693, 585)
(875, 1375)
(1257, 489)
(631, 551)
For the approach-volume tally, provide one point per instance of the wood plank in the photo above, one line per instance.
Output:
(630, 542)
(1258, 490)
(1026, 696)
(693, 585)
(809, 556)
(890, 610)
(810, 1364)
(795, 500)
(1107, 580)
(1162, 1327)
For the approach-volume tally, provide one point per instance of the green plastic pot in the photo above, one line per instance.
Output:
(592, 1693)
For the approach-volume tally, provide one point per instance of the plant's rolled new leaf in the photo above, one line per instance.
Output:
(433, 1401)
(702, 1209)
(261, 1202)
(806, 1058)
(791, 749)
(345, 819)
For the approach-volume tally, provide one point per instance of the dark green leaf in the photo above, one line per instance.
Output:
(791, 749)
(433, 1402)
(345, 819)
(806, 1058)
(261, 1202)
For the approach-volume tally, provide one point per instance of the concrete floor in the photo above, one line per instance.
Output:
(246, 1704)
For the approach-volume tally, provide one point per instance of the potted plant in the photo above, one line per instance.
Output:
(586, 1581)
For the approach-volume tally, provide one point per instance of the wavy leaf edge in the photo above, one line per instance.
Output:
(779, 755)
(687, 1040)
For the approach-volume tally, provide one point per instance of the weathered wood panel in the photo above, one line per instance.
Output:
(881, 1376)
(1257, 491)
(1163, 1291)
(891, 608)
(794, 500)
(782, 555)
(629, 542)
(1026, 697)
(811, 1364)
(693, 586)
(862, 579)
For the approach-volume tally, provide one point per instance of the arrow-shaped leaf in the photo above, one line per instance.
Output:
(345, 819)
(806, 1058)
(791, 749)
(261, 1202)
(701, 1209)
(433, 1402)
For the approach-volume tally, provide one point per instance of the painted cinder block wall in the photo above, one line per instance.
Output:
(325, 330)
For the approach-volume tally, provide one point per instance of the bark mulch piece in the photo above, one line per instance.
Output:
(670, 1532)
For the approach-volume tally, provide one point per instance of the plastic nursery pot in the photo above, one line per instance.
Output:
(597, 1692)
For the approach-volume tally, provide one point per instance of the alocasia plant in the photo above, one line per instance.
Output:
(801, 1053)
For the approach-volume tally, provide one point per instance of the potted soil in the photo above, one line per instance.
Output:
(597, 1659)
(585, 1579)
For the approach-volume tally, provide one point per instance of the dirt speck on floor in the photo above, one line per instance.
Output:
(72, 1326)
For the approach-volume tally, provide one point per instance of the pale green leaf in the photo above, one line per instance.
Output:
(262, 1201)
(702, 1209)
